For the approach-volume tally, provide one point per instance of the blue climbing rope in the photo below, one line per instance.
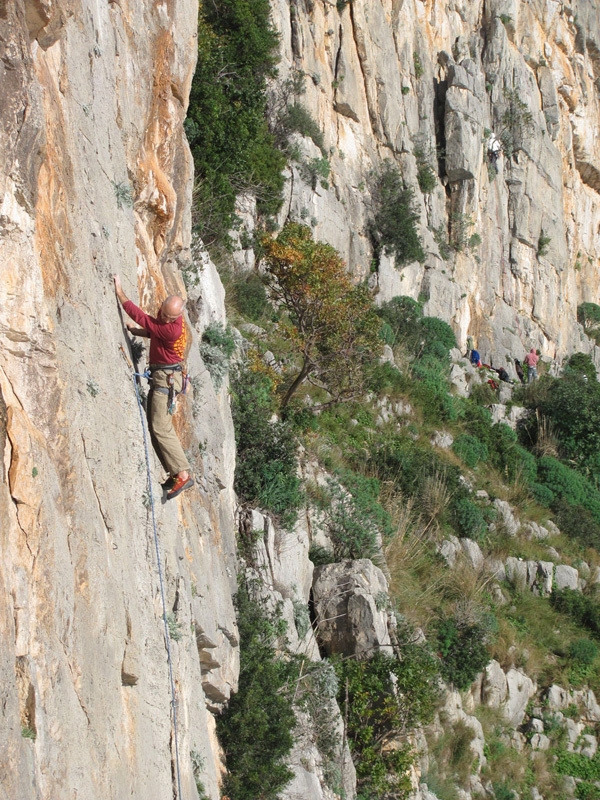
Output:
(162, 587)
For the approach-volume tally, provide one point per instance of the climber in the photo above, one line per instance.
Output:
(167, 350)
(519, 370)
(531, 359)
(494, 148)
(475, 358)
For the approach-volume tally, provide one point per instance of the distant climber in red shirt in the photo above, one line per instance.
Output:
(167, 337)
(531, 359)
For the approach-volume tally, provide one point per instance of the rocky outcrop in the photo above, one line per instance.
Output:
(351, 608)
(398, 82)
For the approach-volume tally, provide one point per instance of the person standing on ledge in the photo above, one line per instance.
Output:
(167, 350)
(531, 359)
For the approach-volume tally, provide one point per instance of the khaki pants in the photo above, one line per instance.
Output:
(162, 433)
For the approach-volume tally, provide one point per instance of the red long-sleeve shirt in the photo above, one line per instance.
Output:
(167, 339)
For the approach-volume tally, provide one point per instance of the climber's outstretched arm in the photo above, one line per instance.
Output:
(119, 290)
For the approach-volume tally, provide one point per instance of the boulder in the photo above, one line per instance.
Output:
(350, 604)
(473, 553)
(516, 573)
(442, 439)
(494, 688)
(506, 518)
(566, 577)
(539, 741)
(520, 690)
(449, 550)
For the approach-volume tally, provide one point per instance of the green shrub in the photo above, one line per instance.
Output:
(470, 450)
(585, 790)
(578, 766)
(298, 119)
(320, 555)
(403, 315)
(355, 520)
(588, 315)
(577, 522)
(579, 365)
(572, 404)
(517, 123)
(426, 177)
(543, 244)
(469, 518)
(384, 379)
(542, 494)
(463, 651)
(394, 226)
(226, 126)
(216, 348)
(255, 730)
(583, 651)
(567, 484)
(266, 451)
(584, 610)
(251, 298)
(386, 696)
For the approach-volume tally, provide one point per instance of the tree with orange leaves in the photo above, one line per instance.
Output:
(331, 323)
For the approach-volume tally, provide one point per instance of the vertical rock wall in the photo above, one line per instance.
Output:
(390, 77)
(97, 179)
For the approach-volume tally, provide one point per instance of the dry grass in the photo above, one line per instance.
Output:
(434, 498)
(547, 441)
(410, 556)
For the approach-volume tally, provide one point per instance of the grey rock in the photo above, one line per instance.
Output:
(539, 741)
(473, 553)
(442, 439)
(506, 517)
(520, 690)
(566, 577)
(349, 614)
(588, 745)
(494, 688)
(517, 573)
(449, 550)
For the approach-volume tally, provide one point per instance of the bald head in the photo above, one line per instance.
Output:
(171, 308)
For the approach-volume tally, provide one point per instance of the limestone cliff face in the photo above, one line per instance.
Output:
(390, 77)
(97, 179)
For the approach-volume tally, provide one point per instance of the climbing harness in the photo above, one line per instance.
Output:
(147, 374)
(169, 390)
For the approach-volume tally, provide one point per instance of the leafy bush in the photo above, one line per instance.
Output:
(298, 119)
(469, 518)
(580, 365)
(588, 315)
(470, 450)
(216, 348)
(567, 484)
(226, 126)
(355, 520)
(577, 522)
(517, 123)
(386, 696)
(331, 325)
(255, 730)
(463, 651)
(581, 608)
(251, 297)
(572, 404)
(583, 651)
(266, 451)
(578, 766)
(394, 225)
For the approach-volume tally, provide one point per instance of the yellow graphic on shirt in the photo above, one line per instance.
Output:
(179, 345)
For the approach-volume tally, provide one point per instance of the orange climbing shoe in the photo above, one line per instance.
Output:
(179, 485)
